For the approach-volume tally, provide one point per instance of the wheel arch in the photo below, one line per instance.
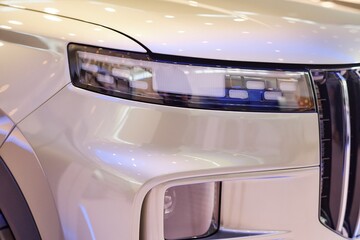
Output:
(30, 200)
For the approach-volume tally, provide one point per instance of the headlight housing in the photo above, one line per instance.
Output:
(138, 77)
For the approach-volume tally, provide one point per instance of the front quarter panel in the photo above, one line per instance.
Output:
(33, 68)
(25, 167)
(103, 154)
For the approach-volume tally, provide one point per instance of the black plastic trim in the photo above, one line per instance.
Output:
(244, 64)
(337, 145)
(15, 208)
(3, 223)
(209, 62)
(338, 95)
(353, 210)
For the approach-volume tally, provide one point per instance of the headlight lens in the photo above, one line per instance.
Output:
(136, 77)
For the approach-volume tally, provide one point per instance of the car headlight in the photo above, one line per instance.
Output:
(138, 77)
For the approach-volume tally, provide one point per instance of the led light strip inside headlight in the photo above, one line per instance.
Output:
(136, 77)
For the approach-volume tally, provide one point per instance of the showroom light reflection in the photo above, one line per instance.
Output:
(5, 27)
(14, 22)
(109, 9)
(51, 10)
(52, 18)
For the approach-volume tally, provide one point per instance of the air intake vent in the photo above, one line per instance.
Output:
(338, 100)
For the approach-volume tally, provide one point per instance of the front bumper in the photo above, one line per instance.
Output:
(105, 157)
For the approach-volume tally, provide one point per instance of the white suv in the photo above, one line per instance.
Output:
(176, 119)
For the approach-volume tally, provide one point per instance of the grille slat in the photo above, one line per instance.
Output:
(346, 135)
(353, 212)
(338, 99)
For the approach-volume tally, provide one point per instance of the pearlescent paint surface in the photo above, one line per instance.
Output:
(300, 31)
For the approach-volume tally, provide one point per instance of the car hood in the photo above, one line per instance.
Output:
(301, 31)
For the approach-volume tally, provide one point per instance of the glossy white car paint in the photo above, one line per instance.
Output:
(95, 159)
(29, 174)
(283, 31)
(36, 65)
(267, 204)
(135, 147)
(6, 126)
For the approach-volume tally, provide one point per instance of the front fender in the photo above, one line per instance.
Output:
(20, 161)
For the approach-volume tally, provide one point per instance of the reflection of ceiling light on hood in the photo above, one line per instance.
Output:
(17, 6)
(239, 19)
(109, 9)
(52, 18)
(245, 13)
(215, 15)
(193, 3)
(15, 22)
(51, 10)
(297, 20)
(328, 4)
(5, 27)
